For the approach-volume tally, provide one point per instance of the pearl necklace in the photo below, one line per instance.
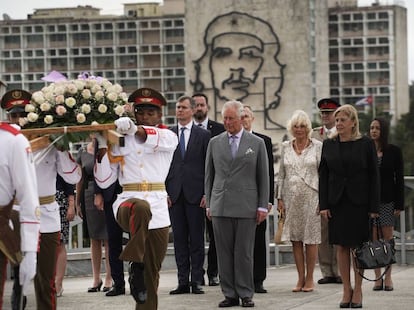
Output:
(299, 150)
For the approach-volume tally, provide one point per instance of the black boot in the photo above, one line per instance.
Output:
(136, 282)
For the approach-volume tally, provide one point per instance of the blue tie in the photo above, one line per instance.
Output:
(182, 142)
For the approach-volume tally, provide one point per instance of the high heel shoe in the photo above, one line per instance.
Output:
(95, 289)
(379, 287)
(357, 304)
(60, 292)
(346, 304)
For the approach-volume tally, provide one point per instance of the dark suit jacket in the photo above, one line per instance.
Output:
(392, 176)
(215, 128)
(269, 150)
(359, 182)
(187, 175)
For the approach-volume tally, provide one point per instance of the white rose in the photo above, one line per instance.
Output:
(70, 102)
(86, 108)
(96, 88)
(60, 99)
(45, 106)
(112, 96)
(59, 90)
(29, 108)
(106, 84)
(23, 121)
(72, 89)
(60, 110)
(32, 117)
(94, 123)
(99, 95)
(49, 96)
(80, 84)
(86, 93)
(119, 110)
(123, 96)
(38, 97)
(81, 118)
(102, 108)
(48, 119)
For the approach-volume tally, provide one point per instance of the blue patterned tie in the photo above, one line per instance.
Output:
(182, 142)
(233, 146)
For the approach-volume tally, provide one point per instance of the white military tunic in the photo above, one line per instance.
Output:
(47, 167)
(17, 175)
(147, 162)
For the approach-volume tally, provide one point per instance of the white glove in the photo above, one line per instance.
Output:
(27, 270)
(125, 126)
(102, 144)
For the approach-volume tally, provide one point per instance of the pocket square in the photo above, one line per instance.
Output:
(249, 151)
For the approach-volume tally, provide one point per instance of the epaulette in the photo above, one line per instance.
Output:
(9, 128)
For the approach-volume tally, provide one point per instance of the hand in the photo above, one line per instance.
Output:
(79, 210)
(208, 213)
(102, 144)
(70, 214)
(99, 202)
(125, 126)
(260, 216)
(27, 270)
(203, 202)
(325, 214)
(169, 202)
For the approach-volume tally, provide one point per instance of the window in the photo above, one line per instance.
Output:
(104, 36)
(86, 51)
(17, 54)
(372, 65)
(59, 37)
(383, 15)
(383, 40)
(371, 41)
(179, 23)
(359, 66)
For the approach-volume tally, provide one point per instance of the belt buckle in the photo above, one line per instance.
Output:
(145, 186)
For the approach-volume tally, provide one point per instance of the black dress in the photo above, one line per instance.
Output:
(345, 169)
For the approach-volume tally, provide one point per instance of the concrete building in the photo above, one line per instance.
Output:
(145, 47)
(368, 56)
(282, 55)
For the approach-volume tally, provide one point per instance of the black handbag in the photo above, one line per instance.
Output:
(375, 254)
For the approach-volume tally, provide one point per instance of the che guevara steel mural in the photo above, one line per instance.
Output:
(240, 61)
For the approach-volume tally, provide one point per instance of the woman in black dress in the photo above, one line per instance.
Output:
(348, 195)
(391, 168)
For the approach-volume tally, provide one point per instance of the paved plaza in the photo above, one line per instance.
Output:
(280, 281)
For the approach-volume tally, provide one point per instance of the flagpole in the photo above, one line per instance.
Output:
(373, 106)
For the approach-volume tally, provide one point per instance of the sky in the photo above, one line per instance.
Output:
(19, 9)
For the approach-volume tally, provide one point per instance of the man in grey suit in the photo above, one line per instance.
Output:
(237, 194)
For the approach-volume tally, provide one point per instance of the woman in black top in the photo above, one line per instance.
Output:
(348, 195)
(391, 168)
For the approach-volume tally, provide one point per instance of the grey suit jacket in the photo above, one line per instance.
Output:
(236, 187)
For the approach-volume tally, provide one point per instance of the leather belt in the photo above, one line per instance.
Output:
(143, 187)
(42, 200)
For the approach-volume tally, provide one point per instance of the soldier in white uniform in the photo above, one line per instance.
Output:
(327, 252)
(46, 171)
(48, 162)
(141, 209)
(18, 181)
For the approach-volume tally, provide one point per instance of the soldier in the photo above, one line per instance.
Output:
(17, 184)
(327, 252)
(48, 163)
(141, 167)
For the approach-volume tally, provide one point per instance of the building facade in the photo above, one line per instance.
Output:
(143, 48)
(368, 57)
(305, 50)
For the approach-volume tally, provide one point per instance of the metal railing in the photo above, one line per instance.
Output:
(403, 237)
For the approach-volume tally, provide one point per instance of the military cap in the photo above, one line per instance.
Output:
(328, 104)
(147, 97)
(15, 100)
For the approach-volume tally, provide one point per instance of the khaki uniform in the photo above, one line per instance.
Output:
(327, 252)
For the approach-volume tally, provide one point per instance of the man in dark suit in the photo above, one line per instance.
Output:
(201, 119)
(260, 251)
(237, 194)
(186, 201)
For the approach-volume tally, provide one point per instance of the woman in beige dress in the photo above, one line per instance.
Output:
(298, 197)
